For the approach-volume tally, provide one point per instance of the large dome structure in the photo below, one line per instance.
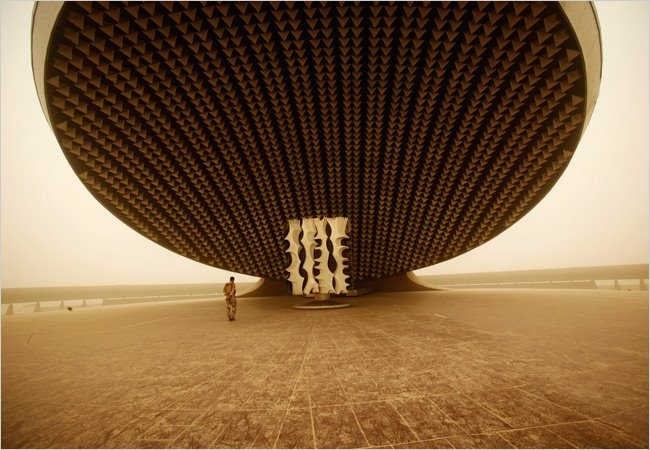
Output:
(206, 127)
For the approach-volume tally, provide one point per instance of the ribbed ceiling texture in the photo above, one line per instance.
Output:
(207, 126)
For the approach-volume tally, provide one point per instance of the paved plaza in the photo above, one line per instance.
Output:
(453, 369)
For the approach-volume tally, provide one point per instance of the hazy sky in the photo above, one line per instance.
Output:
(54, 233)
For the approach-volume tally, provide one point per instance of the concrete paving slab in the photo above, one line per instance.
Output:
(490, 368)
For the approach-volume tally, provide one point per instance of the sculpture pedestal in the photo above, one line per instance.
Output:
(322, 301)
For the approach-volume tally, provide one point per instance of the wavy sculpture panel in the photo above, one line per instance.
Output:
(294, 252)
(325, 277)
(309, 244)
(320, 278)
(338, 226)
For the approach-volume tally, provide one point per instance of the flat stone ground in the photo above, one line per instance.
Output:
(489, 368)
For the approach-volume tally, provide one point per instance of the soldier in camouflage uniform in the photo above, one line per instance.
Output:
(230, 290)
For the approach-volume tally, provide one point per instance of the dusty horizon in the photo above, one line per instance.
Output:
(251, 280)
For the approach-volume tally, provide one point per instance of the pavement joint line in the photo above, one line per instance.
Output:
(487, 409)
(499, 433)
(299, 370)
(232, 416)
(442, 438)
(270, 413)
(349, 405)
(553, 403)
(563, 438)
(443, 412)
(390, 401)
(311, 415)
(618, 432)
(620, 412)
(580, 421)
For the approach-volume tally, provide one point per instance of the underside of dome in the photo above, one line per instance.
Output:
(206, 127)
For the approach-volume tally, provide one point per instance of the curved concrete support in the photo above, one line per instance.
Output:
(403, 282)
(266, 288)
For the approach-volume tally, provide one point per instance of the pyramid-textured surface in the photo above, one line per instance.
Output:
(206, 127)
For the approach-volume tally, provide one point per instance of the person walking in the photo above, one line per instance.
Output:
(230, 290)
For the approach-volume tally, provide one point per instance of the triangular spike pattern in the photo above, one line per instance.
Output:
(206, 127)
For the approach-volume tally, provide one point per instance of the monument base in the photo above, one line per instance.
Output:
(403, 282)
(322, 304)
(321, 301)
